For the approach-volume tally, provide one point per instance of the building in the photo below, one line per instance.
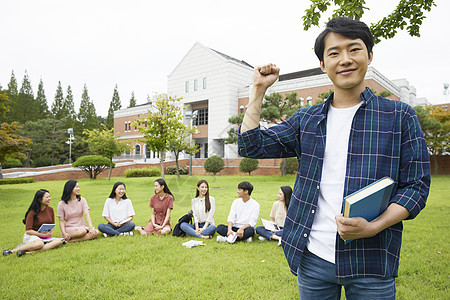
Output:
(216, 87)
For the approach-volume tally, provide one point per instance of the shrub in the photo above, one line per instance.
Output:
(11, 163)
(214, 164)
(15, 180)
(172, 170)
(143, 172)
(291, 165)
(248, 165)
(42, 161)
(92, 164)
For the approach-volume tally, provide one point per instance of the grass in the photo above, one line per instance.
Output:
(158, 267)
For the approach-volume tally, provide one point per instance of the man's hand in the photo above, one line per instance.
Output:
(265, 76)
(353, 228)
(240, 233)
(230, 232)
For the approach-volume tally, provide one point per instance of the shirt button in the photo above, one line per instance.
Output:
(313, 211)
(317, 187)
(305, 235)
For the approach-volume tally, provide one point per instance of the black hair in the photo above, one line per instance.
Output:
(113, 192)
(197, 193)
(68, 189)
(353, 29)
(246, 186)
(287, 191)
(166, 190)
(35, 205)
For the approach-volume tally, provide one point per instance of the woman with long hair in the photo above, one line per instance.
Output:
(161, 204)
(203, 208)
(37, 214)
(277, 215)
(119, 212)
(70, 212)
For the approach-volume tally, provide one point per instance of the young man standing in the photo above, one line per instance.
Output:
(244, 214)
(343, 145)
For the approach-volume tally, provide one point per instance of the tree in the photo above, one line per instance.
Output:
(214, 164)
(161, 126)
(105, 143)
(24, 106)
(181, 143)
(12, 93)
(11, 143)
(114, 105)
(41, 101)
(232, 132)
(57, 105)
(92, 164)
(407, 11)
(68, 109)
(87, 115)
(132, 100)
(248, 165)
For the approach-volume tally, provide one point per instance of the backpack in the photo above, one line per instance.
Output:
(186, 218)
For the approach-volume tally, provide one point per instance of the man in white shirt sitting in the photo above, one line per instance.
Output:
(244, 214)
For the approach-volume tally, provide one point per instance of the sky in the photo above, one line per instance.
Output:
(137, 44)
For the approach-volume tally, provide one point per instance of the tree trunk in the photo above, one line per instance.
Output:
(110, 168)
(27, 161)
(162, 155)
(1, 173)
(284, 166)
(176, 164)
(436, 167)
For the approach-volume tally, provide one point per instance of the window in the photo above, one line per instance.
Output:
(204, 83)
(186, 87)
(129, 126)
(241, 109)
(126, 126)
(195, 84)
(202, 117)
(137, 150)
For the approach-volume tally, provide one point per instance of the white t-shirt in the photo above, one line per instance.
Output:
(322, 238)
(243, 213)
(118, 211)
(198, 209)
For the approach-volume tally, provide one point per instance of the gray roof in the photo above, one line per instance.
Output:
(233, 59)
(301, 74)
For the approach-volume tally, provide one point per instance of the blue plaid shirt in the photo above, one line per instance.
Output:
(385, 140)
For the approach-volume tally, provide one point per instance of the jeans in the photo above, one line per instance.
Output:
(267, 233)
(248, 232)
(110, 229)
(190, 229)
(317, 280)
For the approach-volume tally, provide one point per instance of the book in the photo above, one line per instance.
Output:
(232, 237)
(269, 225)
(125, 220)
(192, 244)
(46, 227)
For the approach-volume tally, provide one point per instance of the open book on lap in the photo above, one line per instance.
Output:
(269, 225)
(46, 227)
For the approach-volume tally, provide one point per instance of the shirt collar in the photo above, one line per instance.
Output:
(366, 96)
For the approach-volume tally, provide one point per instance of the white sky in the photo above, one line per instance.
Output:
(137, 44)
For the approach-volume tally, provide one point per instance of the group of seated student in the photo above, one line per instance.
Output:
(118, 211)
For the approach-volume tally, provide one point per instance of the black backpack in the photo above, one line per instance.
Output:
(186, 218)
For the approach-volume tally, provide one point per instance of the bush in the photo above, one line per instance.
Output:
(11, 163)
(15, 180)
(172, 170)
(248, 165)
(143, 172)
(214, 164)
(42, 161)
(92, 164)
(291, 165)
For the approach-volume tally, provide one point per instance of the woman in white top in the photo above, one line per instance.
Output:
(277, 215)
(203, 207)
(119, 212)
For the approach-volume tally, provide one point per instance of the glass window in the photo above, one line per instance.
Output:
(204, 83)
(137, 150)
(195, 84)
(202, 117)
(186, 87)
(126, 126)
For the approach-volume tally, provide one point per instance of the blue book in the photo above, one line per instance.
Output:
(46, 227)
(370, 201)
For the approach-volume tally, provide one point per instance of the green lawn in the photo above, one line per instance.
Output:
(158, 267)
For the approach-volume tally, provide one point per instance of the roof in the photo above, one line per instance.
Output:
(301, 74)
(233, 59)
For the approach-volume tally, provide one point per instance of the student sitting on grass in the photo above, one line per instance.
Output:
(70, 212)
(277, 215)
(161, 205)
(244, 214)
(37, 214)
(203, 207)
(119, 212)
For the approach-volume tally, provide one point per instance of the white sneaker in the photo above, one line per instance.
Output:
(131, 233)
(279, 242)
(221, 238)
(249, 240)
(261, 238)
(126, 233)
(105, 235)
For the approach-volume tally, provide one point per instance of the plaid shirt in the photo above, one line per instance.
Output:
(385, 140)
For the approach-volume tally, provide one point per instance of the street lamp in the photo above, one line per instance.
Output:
(70, 142)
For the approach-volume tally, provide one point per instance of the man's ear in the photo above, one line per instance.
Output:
(370, 57)
(322, 66)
